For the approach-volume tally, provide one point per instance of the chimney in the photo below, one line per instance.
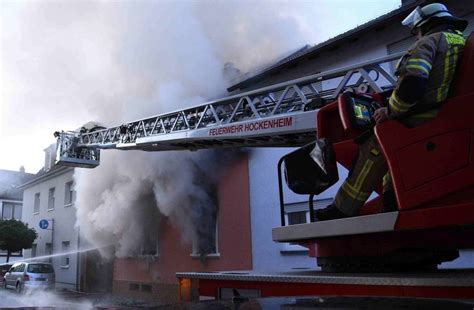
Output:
(49, 156)
(22, 169)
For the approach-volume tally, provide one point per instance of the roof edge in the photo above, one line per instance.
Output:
(46, 176)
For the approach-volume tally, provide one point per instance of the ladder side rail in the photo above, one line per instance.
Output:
(372, 83)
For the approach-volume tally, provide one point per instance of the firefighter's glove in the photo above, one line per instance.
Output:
(381, 115)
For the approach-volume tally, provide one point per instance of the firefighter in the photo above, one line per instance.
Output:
(424, 76)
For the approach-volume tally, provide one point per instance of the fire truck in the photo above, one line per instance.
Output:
(374, 254)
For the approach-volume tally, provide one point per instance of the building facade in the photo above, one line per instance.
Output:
(11, 202)
(49, 208)
(154, 276)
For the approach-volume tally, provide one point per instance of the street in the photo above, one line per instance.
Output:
(63, 299)
(11, 299)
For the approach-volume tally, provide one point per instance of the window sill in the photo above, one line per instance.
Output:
(213, 255)
(289, 248)
(36, 213)
(150, 256)
(68, 205)
(294, 251)
(64, 267)
(49, 210)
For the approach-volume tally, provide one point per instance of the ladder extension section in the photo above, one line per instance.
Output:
(279, 115)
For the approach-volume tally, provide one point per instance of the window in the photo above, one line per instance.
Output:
(11, 211)
(36, 208)
(298, 213)
(18, 268)
(21, 268)
(299, 217)
(15, 268)
(146, 288)
(7, 212)
(40, 268)
(134, 287)
(294, 218)
(33, 250)
(206, 243)
(48, 250)
(68, 194)
(51, 199)
(149, 248)
(17, 209)
(12, 254)
(65, 258)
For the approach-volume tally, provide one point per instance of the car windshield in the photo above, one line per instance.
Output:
(40, 268)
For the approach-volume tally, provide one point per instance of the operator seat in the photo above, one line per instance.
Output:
(436, 158)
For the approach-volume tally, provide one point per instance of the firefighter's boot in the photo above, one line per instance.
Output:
(331, 212)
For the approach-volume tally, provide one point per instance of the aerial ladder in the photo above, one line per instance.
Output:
(280, 115)
(432, 170)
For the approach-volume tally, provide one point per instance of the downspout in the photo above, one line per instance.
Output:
(78, 277)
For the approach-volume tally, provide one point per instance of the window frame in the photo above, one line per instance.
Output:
(287, 246)
(69, 194)
(3, 253)
(51, 198)
(216, 254)
(157, 251)
(48, 250)
(37, 207)
(65, 259)
(33, 250)
(15, 205)
(4, 205)
(299, 207)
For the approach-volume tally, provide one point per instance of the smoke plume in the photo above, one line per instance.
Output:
(163, 56)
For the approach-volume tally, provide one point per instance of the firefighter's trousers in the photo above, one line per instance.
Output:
(369, 169)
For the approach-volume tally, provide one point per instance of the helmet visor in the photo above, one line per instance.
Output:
(413, 18)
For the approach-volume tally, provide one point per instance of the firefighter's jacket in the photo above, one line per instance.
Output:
(425, 74)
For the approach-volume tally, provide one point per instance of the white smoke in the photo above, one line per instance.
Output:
(166, 56)
(116, 61)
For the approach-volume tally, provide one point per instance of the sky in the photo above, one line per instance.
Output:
(64, 63)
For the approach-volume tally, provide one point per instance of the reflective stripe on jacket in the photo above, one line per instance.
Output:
(434, 57)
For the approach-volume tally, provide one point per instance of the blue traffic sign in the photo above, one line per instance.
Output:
(43, 224)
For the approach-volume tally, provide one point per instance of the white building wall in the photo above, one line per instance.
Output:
(264, 201)
(62, 219)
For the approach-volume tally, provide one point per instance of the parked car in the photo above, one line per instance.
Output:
(4, 269)
(26, 275)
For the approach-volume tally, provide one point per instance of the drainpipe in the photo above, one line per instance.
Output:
(78, 275)
(52, 239)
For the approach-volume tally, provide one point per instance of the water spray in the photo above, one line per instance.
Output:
(65, 253)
